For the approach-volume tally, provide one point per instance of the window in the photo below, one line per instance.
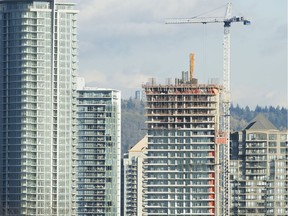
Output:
(272, 144)
(272, 136)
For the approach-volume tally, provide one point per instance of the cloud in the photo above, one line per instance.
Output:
(134, 17)
(126, 20)
(131, 11)
(253, 96)
(132, 80)
(122, 43)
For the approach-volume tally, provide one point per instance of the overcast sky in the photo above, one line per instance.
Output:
(122, 43)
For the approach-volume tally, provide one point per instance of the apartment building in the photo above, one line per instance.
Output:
(133, 172)
(99, 152)
(182, 165)
(259, 169)
(38, 63)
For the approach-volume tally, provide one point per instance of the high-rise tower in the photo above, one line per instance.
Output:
(182, 166)
(99, 160)
(37, 107)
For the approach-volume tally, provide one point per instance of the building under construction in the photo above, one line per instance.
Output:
(182, 167)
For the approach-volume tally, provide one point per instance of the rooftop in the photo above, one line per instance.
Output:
(260, 122)
(140, 146)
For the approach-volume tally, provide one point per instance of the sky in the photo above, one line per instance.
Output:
(124, 43)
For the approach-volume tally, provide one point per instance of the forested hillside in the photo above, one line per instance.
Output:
(133, 120)
(241, 116)
(132, 123)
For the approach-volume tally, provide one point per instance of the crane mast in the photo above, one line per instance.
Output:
(226, 101)
(226, 197)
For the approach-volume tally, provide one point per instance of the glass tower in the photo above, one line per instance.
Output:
(99, 115)
(37, 107)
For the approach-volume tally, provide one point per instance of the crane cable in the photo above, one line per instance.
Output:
(204, 60)
(204, 52)
(207, 12)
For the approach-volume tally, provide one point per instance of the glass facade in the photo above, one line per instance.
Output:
(99, 175)
(38, 54)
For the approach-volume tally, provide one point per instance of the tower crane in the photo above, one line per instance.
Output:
(225, 124)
